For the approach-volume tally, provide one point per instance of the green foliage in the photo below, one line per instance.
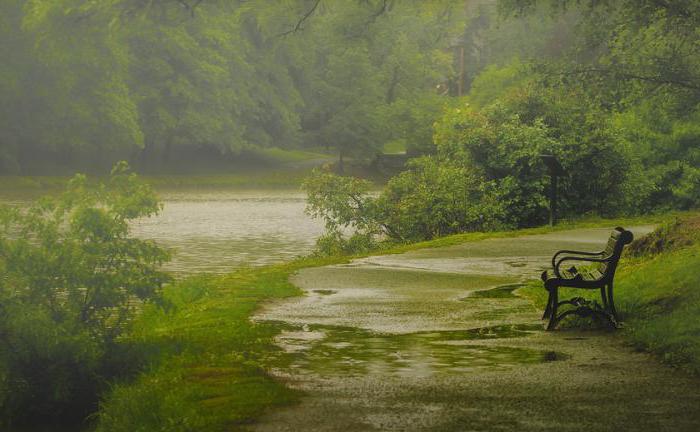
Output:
(487, 173)
(641, 44)
(638, 63)
(346, 206)
(627, 148)
(168, 83)
(499, 147)
(433, 199)
(71, 279)
(600, 166)
(206, 368)
(342, 202)
(667, 147)
(495, 82)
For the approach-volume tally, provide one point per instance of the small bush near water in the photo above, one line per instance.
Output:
(71, 279)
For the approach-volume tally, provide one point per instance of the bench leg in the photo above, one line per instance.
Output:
(604, 296)
(611, 303)
(554, 305)
(548, 309)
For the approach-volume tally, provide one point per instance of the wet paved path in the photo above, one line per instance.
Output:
(436, 340)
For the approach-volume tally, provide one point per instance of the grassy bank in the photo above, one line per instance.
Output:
(584, 222)
(205, 355)
(273, 178)
(657, 292)
(265, 168)
(263, 178)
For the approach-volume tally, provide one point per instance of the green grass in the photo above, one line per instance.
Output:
(585, 222)
(276, 155)
(263, 178)
(15, 183)
(395, 147)
(270, 167)
(205, 355)
(657, 295)
(260, 178)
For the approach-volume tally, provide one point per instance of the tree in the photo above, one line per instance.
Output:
(167, 82)
(648, 44)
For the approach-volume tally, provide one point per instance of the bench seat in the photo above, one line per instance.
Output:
(596, 271)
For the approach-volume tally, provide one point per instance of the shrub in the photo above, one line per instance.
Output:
(487, 173)
(71, 279)
(432, 199)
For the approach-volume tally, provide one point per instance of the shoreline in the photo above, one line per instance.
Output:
(202, 302)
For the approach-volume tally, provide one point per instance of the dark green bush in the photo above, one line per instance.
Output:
(486, 174)
(71, 279)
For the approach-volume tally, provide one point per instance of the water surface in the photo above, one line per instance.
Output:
(220, 230)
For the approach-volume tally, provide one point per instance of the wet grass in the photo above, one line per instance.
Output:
(268, 168)
(657, 293)
(207, 360)
(569, 224)
(499, 292)
(259, 178)
(269, 178)
(205, 355)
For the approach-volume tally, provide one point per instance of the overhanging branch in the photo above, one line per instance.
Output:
(658, 79)
(299, 23)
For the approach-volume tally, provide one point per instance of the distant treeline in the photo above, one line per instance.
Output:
(611, 87)
(166, 82)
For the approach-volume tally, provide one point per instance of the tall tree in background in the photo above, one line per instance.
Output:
(164, 81)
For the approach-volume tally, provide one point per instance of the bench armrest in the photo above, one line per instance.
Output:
(573, 252)
(571, 258)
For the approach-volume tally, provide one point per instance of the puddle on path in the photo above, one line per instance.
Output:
(396, 301)
(436, 340)
(501, 291)
(350, 352)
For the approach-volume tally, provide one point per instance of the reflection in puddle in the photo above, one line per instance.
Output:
(501, 291)
(324, 291)
(348, 352)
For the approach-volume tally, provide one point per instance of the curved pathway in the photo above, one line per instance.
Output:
(436, 340)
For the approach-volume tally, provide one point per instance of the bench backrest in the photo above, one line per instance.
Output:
(613, 250)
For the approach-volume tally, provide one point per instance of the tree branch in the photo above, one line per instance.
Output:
(632, 76)
(299, 23)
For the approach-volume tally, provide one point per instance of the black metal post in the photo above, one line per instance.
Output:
(553, 200)
(555, 170)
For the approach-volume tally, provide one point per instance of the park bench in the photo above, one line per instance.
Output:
(596, 270)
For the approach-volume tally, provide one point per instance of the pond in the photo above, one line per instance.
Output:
(220, 230)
